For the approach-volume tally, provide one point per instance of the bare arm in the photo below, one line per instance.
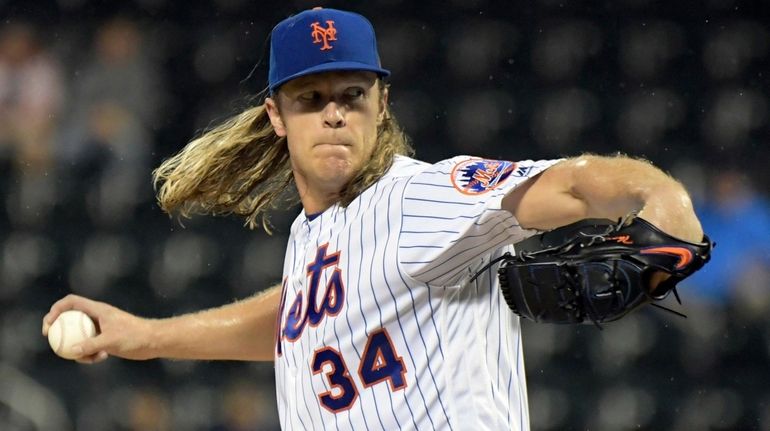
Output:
(604, 187)
(243, 330)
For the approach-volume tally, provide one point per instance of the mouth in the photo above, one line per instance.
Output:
(333, 144)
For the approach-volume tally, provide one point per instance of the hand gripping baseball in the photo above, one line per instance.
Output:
(596, 270)
(119, 333)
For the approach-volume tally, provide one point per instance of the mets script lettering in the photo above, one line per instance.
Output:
(324, 35)
(486, 176)
(303, 311)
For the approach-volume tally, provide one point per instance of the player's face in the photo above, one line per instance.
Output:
(330, 122)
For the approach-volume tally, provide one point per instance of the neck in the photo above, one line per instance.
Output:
(313, 199)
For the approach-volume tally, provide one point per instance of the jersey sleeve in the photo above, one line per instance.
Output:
(452, 216)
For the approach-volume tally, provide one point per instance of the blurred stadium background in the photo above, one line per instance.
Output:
(94, 94)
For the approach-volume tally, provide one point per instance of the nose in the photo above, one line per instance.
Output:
(333, 115)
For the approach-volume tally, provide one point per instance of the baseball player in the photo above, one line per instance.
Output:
(386, 317)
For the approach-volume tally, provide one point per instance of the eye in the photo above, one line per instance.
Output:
(354, 92)
(309, 96)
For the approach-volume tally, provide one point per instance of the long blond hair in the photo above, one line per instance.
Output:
(242, 167)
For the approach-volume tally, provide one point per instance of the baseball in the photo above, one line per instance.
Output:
(70, 328)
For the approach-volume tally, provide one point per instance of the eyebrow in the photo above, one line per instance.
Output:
(355, 78)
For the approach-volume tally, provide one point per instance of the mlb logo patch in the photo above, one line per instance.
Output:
(478, 176)
(523, 171)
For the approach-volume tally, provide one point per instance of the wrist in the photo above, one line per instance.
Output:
(671, 210)
(157, 338)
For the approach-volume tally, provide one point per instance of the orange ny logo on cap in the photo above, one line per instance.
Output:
(323, 35)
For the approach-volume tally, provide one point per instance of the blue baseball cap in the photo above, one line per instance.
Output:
(322, 40)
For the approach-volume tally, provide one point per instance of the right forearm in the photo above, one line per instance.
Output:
(243, 330)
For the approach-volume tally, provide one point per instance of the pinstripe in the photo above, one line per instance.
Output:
(300, 394)
(462, 257)
(405, 338)
(487, 329)
(294, 290)
(468, 237)
(301, 369)
(309, 380)
(437, 185)
(499, 333)
(487, 220)
(374, 254)
(374, 294)
(433, 320)
(509, 349)
(292, 350)
(509, 403)
(435, 201)
(499, 221)
(347, 315)
(361, 265)
(437, 172)
(521, 376)
(373, 201)
(441, 218)
(430, 231)
(437, 169)
(283, 407)
(414, 311)
(456, 269)
(305, 369)
(506, 224)
(326, 321)
(286, 418)
(418, 246)
(315, 224)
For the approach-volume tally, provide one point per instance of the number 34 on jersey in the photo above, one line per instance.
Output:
(379, 362)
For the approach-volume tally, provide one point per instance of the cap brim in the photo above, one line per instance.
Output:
(332, 67)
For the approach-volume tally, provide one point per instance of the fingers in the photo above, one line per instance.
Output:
(60, 306)
(92, 346)
(118, 333)
(93, 359)
(656, 279)
(91, 350)
(69, 302)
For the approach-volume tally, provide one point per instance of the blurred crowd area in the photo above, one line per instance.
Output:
(93, 95)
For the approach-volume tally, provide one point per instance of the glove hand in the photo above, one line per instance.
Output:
(596, 270)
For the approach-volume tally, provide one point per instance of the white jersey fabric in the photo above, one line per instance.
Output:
(395, 335)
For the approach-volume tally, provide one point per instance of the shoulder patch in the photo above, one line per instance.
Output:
(478, 176)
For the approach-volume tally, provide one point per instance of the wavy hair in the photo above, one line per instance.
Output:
(242, 167)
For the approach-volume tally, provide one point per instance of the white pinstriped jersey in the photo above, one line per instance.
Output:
(379, 325)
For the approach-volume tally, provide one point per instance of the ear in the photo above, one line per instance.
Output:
(383, 106)
(275, 117)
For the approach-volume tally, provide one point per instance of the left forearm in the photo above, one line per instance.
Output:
(614, 186)
(604, 187)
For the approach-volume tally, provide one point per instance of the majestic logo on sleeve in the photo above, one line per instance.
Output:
(477, 176)
(323, 35)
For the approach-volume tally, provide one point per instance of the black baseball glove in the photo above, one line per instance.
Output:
(595, 270)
